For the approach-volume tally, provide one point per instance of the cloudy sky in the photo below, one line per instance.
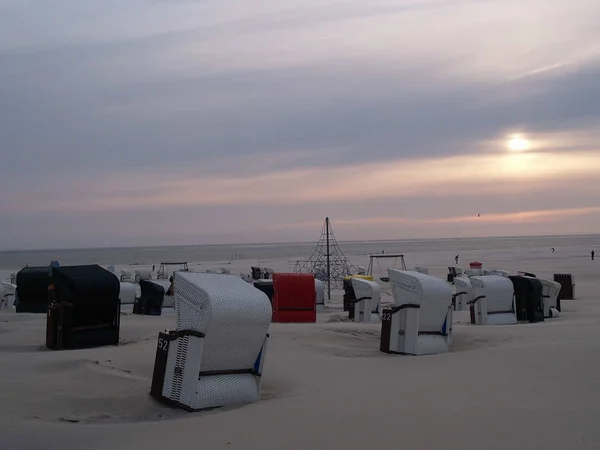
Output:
(147, 122)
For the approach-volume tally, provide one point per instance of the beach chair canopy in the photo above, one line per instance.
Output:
(92, 290)
(32, 289)
(151, 298)
(366, 306)
(294, 298)
(528, 298)
(127, 292)
(320, 290)
(494, 300)
(421, 322)
(550, 295)
(370, 290)
(214, 357)
(464, 293)
(433, 295)
(498, 292)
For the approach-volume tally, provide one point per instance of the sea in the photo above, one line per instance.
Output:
(291, 251)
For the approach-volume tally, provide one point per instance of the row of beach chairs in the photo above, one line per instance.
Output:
(215, 355)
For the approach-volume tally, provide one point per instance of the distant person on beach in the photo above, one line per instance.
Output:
(456, 259)
(153, 267)
(593, 255)
(552, 249)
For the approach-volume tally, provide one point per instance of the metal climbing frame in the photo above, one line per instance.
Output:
(327, 262)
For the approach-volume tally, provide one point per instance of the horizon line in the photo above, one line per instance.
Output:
(350, 241)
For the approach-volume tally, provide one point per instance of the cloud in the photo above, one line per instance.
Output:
(210, 118)
(480, 174)
(153, 105)
(536, 222)
(281, 223)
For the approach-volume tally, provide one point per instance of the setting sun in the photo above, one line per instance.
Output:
(518, 144)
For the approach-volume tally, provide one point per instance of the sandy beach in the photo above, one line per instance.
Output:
(231, 135)
(327, 385)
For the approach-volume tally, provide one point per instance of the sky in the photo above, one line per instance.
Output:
(169, 122)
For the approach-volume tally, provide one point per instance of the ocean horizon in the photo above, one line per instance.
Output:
(255, 252)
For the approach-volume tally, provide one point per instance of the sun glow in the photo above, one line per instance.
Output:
(518, 144)
(504, 173)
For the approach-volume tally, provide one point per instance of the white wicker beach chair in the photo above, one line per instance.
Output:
(216, 355)
(494, 302)
(7, 294)
(127, 276)
(128, 292)
(550, 291)
(500, 273)
(143, 275)
(421, 322)
(456, 271)
(320, 289)
(366, 306)
(474, 272)
(464, 293)
(246, 277)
